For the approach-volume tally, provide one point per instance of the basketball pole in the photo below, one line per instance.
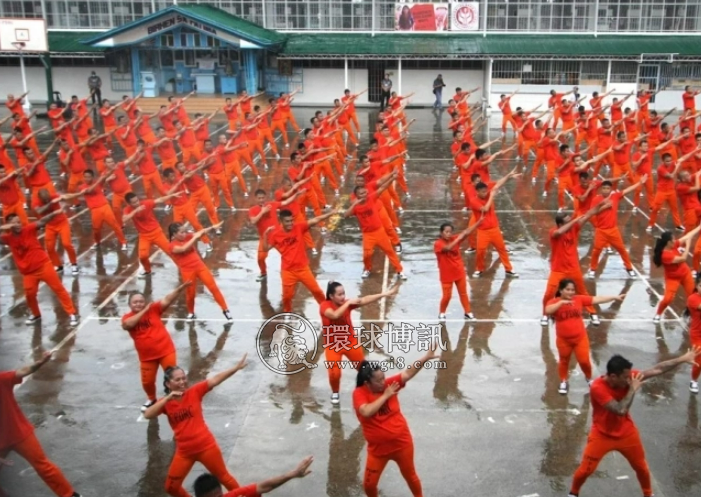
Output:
(27, 105)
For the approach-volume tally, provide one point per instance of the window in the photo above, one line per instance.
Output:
(167, 58)
(189, 58)
(167, 40)
(624, 72)
(537, 72)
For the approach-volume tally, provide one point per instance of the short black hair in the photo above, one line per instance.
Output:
(617, 364)
(285, 213)
(204, 484)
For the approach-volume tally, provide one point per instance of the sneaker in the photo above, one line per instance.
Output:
(208, 247)
(33, 320)
(533, 180)
(168, 207)
(469, 316)
(544, 321)
(609, 251)
(563, 388)
(545, 194)
(233, 209)
(191, 317)
(634, 210)
(470, 250)
(365, 275)
(649, 229)
(228, 317)
(511, 274)
(657, 319)
(324, 230)
(400, 211)
(631, 273)
(595, 320)
(59, 269)
(560, 209)
(336, 192)
(335, 399)
(327, 207)
(147, 404)
(400, 276)
(591, 274)
(398, 230)
(398, 249)
(245, 194)
(125, 246)
(145, 274)
(680, 228)
(261, 277)
(258, 177)
(477, 274)
(94, 246)
(315, 251)
(407, 194)
(75, 270)
(508, 250)
(694, 387)
(277, 156)
(287, 145)
(74, 320)
(218, 232)
(589, 382)
(441, 316)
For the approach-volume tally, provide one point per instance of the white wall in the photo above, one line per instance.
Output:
(420, 81)
(322, 86)
(68, 80)
(667, 100)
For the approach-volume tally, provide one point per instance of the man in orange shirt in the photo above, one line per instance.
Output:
(666, 192)
(555, 104)
(641, 164)
(278, 121)
(288, 189)
(199, 193)
(606, 233)
(11, 199)
(165, 148)
(18, 433)
(489, 232)
(182, 207)
(596, 103)
(36, 176)
(506, 112)
(34, 265)
(550, 144)
(689, 98)
(57, 227)
(217, 176)
(232, 167)
(187, 141)
(687, 191)
(264, 130)
(119, 184)
(146, 166)
(613, 428)
(14, 105)
(147, 226)
(350, 98)
(97, 149)
(288, 240)
(108, 118)
(73, 161)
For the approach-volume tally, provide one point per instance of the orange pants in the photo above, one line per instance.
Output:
(73, 181)
(564, 183)
(581, 138)
(472, 238)
(691, 219)
(207, 279)
(30, 449)
(290, 278)
(461, 285)
(375, 465)
(217, 181)
(257, 146)
(670, 290)
(350, 349)
(387, 226)
(554, 280)
(53, 232)
(354, 119)
(386, 200)
(318, 191)
(290, 118)
(47, 274)
(670, 197)
(169, 163)
(234, 169)
(266, 134)
(696, 368)
(550, 168)
(17, 208)
(204, 196)
(262, 256)
(310, 198)
(104, 215)
(279, 125)
(308, 241)
(245, 156)
(181, 465)
(324, 168)
(118, 202)
(187, 213)
(149, 138)
(556, 117)
(149, 371)
(379, 238)
(538, 162)
(153, 181)
(609, 238)
(351, 134)
(485, 238)
(598, 445)
(507, 119)
(35, 191)
(155, 237)
(621, 169)
(649, 188)
(528, 145)
(580, 348)
(191, 152)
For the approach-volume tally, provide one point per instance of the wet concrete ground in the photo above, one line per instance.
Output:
(490, 423)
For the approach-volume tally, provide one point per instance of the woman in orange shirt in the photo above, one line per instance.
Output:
(676, 270)
(384, 426)
(151, 339)
(339, 335)
(193, 440)
(183, 247)
(693, 305)
(571, 336)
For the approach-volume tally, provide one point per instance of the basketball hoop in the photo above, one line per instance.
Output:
(19, 45)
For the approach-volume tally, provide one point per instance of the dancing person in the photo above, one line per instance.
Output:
(193, 440)
(693, 304)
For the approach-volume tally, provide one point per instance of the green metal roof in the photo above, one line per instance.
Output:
(209, 15)
(69, 42)
(300, 45)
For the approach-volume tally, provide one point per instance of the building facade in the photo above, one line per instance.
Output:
(319, 47)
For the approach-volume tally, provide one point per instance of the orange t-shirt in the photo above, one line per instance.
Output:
(151, 338)
(293, 207)
(120, 184)
(608, 219)
(56, 220)
(108, 118)
(672, 270)
(367, 214)
(291, 246)
(269, 219)
(190, 260)
(688, 199)
(450, 264)
(564, 257)
(39, 177)
(15, 426)
(665, 184)
(604, 421)
(8, 192)
(94, 199)
(689, 101)
(505, 106)
(569, 324)
(490, 217)
(387, 431)
(27, 252)
(187, 139)
(692, 303)
(144, 220)
(187, 421)
(341, 326)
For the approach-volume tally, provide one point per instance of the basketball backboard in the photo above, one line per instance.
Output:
(26, 35)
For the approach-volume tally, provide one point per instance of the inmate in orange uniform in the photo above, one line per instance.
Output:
(488, 233)
(101, 212)
(192, 268)
(666, 193)
(295, 264)
(149, 230)
(388, 437)
(693, 303)
(571, 337)
(266, 221)
(17, 435)
(57, 227)
(340, 339)
(374, 234)
(193, 441)
(606, 233)
(153, 346)
(120, 186)
(11, 200)
(182, 208)
(451, 271)
(35, 266)
(676, 274)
